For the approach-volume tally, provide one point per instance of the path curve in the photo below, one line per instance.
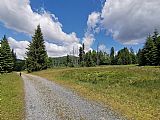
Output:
(46, 100)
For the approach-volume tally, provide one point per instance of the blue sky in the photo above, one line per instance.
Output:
(73, 24)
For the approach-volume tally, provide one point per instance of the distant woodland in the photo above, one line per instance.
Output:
(37, 58)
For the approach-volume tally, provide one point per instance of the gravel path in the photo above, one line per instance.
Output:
(46, 100)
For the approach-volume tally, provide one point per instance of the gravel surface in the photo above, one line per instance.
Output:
(46, 100)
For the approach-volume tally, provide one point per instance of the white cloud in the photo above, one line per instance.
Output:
(103, 48)
(88, 41)
(19, 47)
(92, 28)
(18, 15)
(93, 21)
(53, 50)
(130, 21)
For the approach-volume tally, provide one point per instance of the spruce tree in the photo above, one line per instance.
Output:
(36, 55)
(123, 57)
(112, 56)
(68, 60)
(81, 55)
(140, 57)
(133, 56)
(1, 59)
(158, 50)
(155, 36)
(150, 52)
(88, 60)
(6, 59)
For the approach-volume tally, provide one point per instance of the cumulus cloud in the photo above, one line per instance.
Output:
(18, 15)
(103, 48)
(88, 41)
(53, 50)
(130, 21)
(19, 47)
(93, 21)
(92, 28)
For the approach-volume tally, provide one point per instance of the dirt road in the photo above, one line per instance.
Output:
(46, 100)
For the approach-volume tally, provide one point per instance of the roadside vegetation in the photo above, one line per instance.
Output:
(12, 97)
(131, 90)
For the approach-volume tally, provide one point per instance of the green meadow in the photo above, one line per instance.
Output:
(132, 91)
(12, 97)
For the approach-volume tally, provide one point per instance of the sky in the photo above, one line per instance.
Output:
(66, 24)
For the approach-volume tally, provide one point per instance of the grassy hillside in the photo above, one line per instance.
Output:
(11, 101)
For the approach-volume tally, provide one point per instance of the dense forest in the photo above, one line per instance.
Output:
(37, 58)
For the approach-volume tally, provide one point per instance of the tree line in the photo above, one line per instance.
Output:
(37, 58)
(148, 55)
(93, 58)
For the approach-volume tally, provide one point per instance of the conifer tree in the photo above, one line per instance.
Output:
(6, 59)
(68, 60)
(94, 56)
(88, 60)
(155, 36)
(1, 59)
(140, 57)
(150, 52)
(36, 55)
(133, 56)
(82, 55)
(158, 50)
(123, 57)
(112, 56)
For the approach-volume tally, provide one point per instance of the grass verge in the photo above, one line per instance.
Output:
(132, 91)
(12, 97)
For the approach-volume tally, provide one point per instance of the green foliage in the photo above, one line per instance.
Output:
(140, 56)
(88, 59)
(1, 59)
(94, 56)
(50, 62)
(104, 58)
(133, 56)
(37, 58)
(112, 56)
(19, 65)
(123, 57)
(81, 55)
(91, 58)
(158, 49)
(150, 54)
(6, 59)
(68, 60)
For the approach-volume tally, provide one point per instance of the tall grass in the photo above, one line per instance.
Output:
(132, 91)
(11, 98)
